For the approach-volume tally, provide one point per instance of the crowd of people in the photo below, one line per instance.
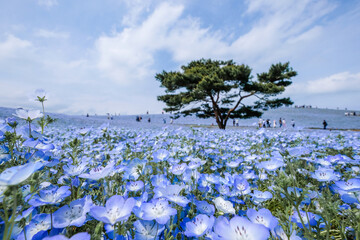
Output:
(267, 123)
(139, 119)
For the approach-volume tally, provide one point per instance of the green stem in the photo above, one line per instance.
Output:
(29, 129)
(302, 221)
(12, 220)
(42, 103)
(51, 219)
(115, 230)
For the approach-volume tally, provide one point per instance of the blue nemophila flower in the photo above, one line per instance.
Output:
(307, 217)
(263, 217)
(241, 185)
(351, 185)
(240, 228)
(98, 172)
(84, 131)
(4, 152)
(199, 226)
(134, 186)
(160, 181)
(325, 175)
(73, 215)
(75, 170)
(271, 165)
(78, 236)
(171, 193)
(18, 174)
(179, 169)
(178, 199)
(146, 230)
(338, 159)
(259, 197)
(50, 195)
(249, 174)
(234, 163)
(298, 151)
(168, 190)
(191, 176)
(349, 197)
(116, 209)
(224, 206)
(282, 235)
(193, 165)
(38, 225)
(158, 210)
(161, 155)
(228, 179)
(37, 144)
(205, 208)
(211, 178)
(25, 214)
(134, 169)
(324, 162)
(222, 189)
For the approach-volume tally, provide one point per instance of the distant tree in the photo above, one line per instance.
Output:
(209, 88)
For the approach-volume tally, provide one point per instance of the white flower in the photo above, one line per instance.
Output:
(28, 115)
(224, 206)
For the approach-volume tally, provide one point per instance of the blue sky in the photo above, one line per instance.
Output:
(101, 56)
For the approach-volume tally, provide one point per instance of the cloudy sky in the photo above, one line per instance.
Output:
(101, 56)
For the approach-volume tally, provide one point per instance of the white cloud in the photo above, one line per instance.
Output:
(12, 46)
(340, 82)
(128, 56)
(309, 35)
(282, 23)
(48, 3)
(136, 9)
(43, 33)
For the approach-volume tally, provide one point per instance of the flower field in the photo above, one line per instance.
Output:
(109, 182)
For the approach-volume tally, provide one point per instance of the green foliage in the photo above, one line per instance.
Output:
(218, 89)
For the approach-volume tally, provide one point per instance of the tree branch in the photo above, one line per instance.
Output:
(237, 104)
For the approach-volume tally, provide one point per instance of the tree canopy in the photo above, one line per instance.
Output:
(223, 90)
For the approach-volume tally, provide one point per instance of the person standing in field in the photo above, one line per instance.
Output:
(274, 124)
(280, 122)
(325, 124)
(292, 123)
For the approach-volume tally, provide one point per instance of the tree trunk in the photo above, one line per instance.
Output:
(221, 125)
(219, 120)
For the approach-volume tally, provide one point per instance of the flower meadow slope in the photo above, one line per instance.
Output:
(166, 183)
